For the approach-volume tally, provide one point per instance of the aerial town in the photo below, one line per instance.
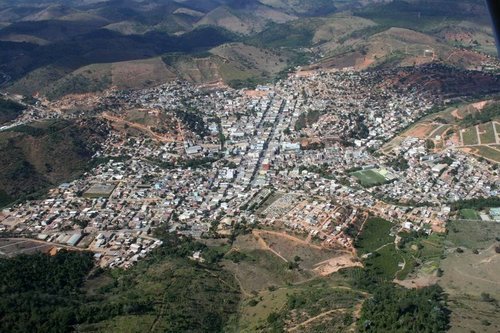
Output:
(303, 155)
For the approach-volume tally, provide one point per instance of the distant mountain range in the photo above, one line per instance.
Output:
(61, 47)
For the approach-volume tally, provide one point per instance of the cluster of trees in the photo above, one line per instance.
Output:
(478, 203)
(41, 293)
(9, 110)
(307, 119)
(193, 121)
(394, 309)
(487, 114)
(399, 163)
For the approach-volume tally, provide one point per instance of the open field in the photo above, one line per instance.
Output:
(13, 247)
(472, 273)
(441, 130)
(309, 254)
(421, 130)
(261, 269)
(263, 259)
(487, 133)
(368, 178)
(492, 152)
(469, 136)
(469, 214)
(488, 152)
(304, 307)
(260, 263)
(472, 234)
(375, 234)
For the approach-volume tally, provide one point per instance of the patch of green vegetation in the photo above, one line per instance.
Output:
(487, 133)
(63, 151)
(469, 136)
(295, 34)
(166, 292)
(319, 297)
(472, 234)
(5, 199)
(322, 170)
(469, 214)
(300, 123)
(9, 110)
(364, 33)
(369, 178)
(40, 293)
(489, 153)
(420, 251)
(476, 204)
(375, 234)
(394, 309)
(307, 119)
(78, 84)
(383, 263)
(250, 83)
(413, 16)
(487, 114)
(393, 59)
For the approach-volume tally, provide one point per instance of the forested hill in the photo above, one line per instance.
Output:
(44, 154)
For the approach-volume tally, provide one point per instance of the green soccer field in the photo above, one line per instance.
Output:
(368, 178)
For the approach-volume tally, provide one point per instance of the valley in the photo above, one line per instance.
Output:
(248, 166)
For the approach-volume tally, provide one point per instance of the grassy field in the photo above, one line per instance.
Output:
(470, 274)
(486, 133)
(275, 295)
(472, 234)
(368, 178)
(319, 305)
(376, 233)
(469, 214)
(440, 131)
(309, 255)
(260, 269)
(488, 152)
(469, 136)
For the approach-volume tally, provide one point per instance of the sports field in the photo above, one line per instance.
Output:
(368, 178)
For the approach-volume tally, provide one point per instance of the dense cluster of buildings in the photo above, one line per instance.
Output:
(279, 155)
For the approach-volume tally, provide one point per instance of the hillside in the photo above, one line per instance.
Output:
(75, 47)
(40, 155)
(9, 110)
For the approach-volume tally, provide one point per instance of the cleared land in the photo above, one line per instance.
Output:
(13, 247)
